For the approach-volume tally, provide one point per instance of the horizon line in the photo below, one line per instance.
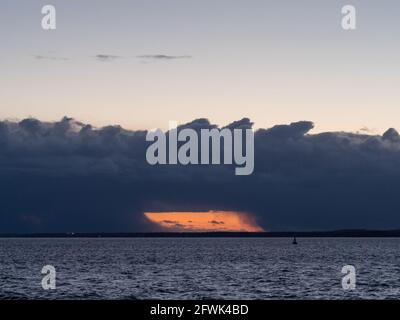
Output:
(239, 234)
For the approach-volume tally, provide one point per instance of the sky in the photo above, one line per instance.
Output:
(76, 104)
(275, 62)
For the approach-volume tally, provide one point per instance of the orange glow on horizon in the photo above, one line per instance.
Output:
(204, 221)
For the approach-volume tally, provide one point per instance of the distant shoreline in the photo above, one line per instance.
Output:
(284, 234)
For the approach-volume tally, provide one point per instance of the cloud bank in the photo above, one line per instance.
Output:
(68, 176)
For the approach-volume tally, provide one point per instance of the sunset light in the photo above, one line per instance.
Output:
(204, 221)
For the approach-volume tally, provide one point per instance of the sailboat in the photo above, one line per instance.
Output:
(294, 240)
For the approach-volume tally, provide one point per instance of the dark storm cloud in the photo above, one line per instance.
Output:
(68, 176)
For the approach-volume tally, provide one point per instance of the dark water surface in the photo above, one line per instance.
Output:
(200, 268)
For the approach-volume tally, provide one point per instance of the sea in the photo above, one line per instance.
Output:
(200, 268)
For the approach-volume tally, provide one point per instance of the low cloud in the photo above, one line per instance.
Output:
(163, 57)
(106, 57)
(53, 58)
(169, 221)
(110, 57)
(216, 222)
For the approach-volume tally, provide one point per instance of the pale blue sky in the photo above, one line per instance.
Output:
(272, 61)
